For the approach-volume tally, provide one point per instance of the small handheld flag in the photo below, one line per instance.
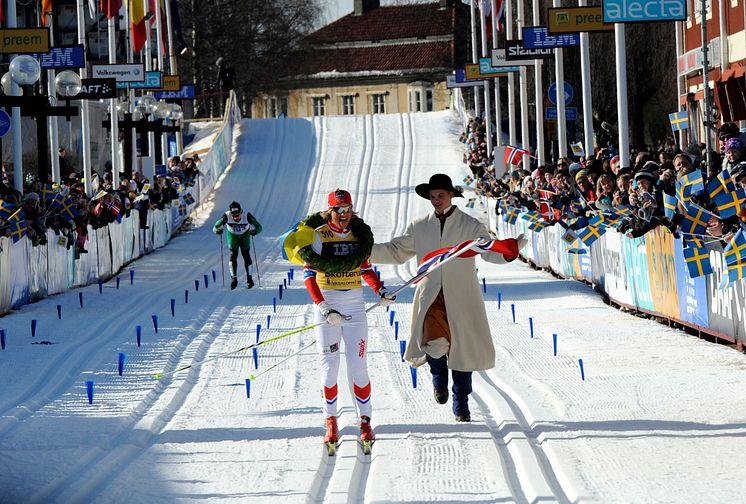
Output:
(514, 155)
(679, 120)
(697, 261)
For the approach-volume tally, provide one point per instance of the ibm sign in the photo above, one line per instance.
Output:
(638, 11)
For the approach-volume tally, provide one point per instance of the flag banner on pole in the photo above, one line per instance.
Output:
(590, 234)
(735, 252)
(508, 248)
(577, 149)
(137, 18)
(696, 219)
(693, 182)
(468, 180)
(514, 155)
(300, 236)
(697, 261)
(46, 8)
(669, 205)
(111, 8)
(679, 120)
(722, 183)
(511, 214)
(728, 203)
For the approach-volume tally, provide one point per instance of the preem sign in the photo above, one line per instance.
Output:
(639, 11)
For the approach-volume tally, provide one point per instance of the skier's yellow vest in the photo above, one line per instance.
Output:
(333, 244)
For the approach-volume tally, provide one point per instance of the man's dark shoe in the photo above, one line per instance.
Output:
(441, 395)
(463, 417)
(249, 282)
(234, 282)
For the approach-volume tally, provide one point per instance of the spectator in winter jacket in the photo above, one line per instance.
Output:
(449, 323)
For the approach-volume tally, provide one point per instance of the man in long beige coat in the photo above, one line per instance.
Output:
(449, 322)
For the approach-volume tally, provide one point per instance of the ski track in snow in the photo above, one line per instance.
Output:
(539, 433)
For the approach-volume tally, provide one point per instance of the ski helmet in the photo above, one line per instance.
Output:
(235, 208)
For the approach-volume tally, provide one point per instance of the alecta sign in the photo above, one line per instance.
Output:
(637, 11)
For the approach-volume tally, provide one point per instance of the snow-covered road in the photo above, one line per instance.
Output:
(657, 419)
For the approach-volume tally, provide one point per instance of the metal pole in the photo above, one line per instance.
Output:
(621, 94)
(706, 85)
(678, 27)
(114, 121)
(173, 67)
(498, 104)
(85, 126)
(148, 67)
(511, 78)
(538, 94)
(523, 91)
(15, 121)
(487, 104)
(161, 67)
(54, 142)
(585, 68)
(474, 57)
(559, 67)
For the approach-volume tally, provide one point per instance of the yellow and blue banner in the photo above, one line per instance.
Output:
(300, 236)
(697, 261)
(679, 120)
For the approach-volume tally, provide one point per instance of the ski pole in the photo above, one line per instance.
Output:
(422, 275)
(222, 260)
(158, 376)
(254, 377)
(256, 263)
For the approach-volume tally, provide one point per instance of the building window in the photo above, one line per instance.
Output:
(429, 100)
(284, 106)
(415, 101)
(379, 103)
(319, 106)
(348, 105)
(270, 107)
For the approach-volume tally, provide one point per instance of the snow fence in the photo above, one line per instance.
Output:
(648, 274)
(28, 273)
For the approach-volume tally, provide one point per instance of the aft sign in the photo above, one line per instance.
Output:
(537, 37)
(97, 89)
(514, 50)
(577, 19)
(24, 40)
(639, 11)
(185, 93)
(122, 73)
(62, 57)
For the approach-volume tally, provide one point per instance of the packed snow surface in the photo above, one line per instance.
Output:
(658, 417)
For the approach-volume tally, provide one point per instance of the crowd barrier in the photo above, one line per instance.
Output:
(648, 274)
(28, 273)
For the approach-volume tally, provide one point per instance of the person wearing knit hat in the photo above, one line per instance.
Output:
(734, 152)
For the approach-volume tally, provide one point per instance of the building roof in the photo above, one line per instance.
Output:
(387, 23)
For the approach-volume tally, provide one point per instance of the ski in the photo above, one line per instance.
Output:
(366, 445)
(331, 448)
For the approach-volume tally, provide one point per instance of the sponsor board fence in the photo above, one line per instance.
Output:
(28, 273)
(648, 274)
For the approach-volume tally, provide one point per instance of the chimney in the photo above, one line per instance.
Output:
(363, 6)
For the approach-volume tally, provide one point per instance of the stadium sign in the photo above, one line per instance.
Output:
(514, 50)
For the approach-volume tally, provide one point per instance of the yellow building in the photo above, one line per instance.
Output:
(376, 60)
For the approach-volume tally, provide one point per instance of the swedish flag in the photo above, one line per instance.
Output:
(736, 272)
(723, 183)
(468, 180)
(18, 229)
(531, 216)
(694, 181)
(536, 226)
(735, 252)
(511, 214)
(470, 202)
(728, 204)
(47, 192)
(696, 219)
(679, 120)
(590, 234)
(300, 236)
(697, 261)
(669, 205)
(6, 209)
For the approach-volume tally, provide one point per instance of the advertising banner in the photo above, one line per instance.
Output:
(692, 292)
(537, 37)
(62, 57)
(662, 268)
(644, 11)
(636, 257)
(721, 302)
(576, 19)
(514, 50)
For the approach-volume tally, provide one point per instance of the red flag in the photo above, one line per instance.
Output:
(137, 18)
(514, 155)
(111, 7)
(46, 8)
(508, 248)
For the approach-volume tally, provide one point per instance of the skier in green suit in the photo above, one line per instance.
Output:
(240, 230)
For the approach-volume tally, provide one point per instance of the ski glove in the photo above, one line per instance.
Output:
(332, 316)
(386, 299)
(219, 231)
(252, 230)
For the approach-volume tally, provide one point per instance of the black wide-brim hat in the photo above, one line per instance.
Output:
(438, 181)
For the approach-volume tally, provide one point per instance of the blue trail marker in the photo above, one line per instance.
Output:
(582, 369)
(186, 296)
(132, 276)
(396, 330)
(269, 318)
(100, 287)
(214, 276)
(118, 279)
(256, 358)
(274, 304)
(413, 370)
(173, 307)
(531, 326)
(89, 390)
(402, 349)
(138, 330)
(59, 312)
(2, 338)
(292, 274)
(484, 285)
(120, 363)
(280, 292)
(285, 283)
(554, 343)
(258, 331)
(512, 310)
(155, 322)
(392, 314)
(248, 388)
(196, 285)
(33, 328)
(80, 298)
(499, 300)
(206, 282)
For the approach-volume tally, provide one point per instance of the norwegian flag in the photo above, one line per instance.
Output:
(547, 211)
(514, 155)
(508, 248)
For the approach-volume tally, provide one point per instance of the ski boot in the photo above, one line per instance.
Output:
(367, 438)
(234, 282)
(249, 282)
(332, 436)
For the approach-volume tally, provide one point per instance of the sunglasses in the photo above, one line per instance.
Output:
(342, 209)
